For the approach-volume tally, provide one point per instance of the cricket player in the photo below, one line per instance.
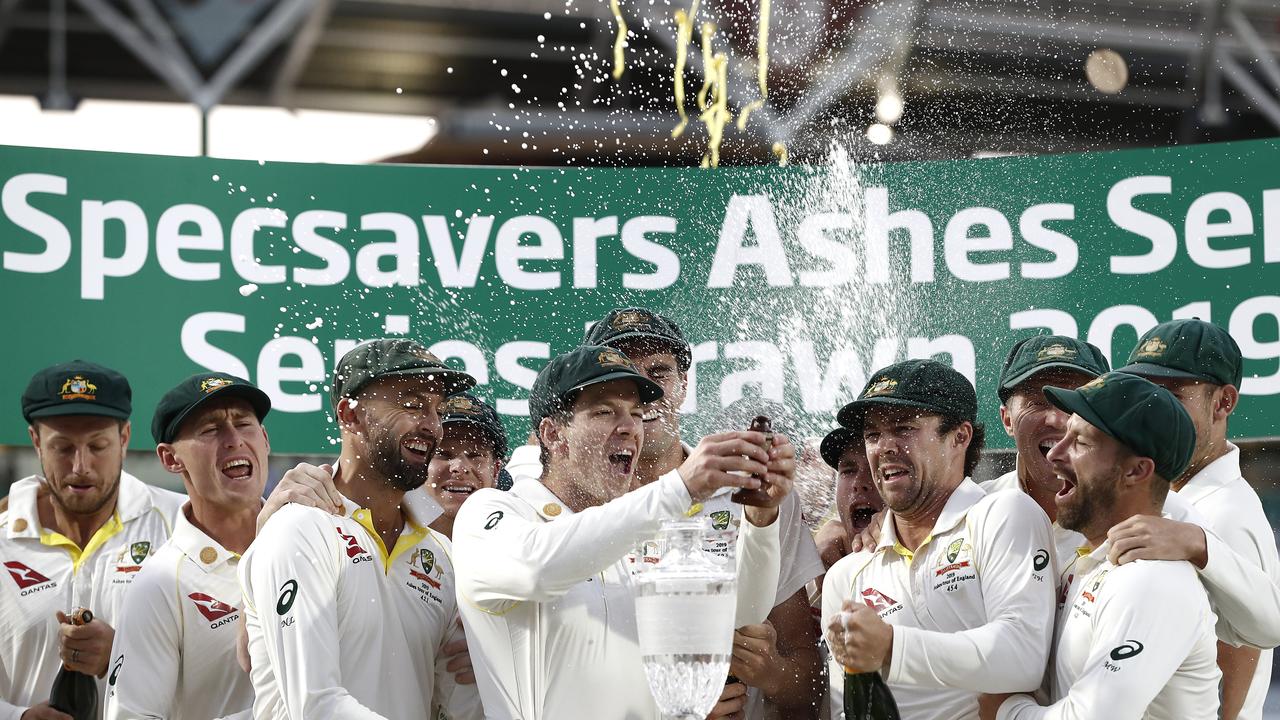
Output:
(1135, 640)
(1201, 364)
(957, 597)
(856, 499)
(776, 659)
(469, 458)
(75, 536)
(348, 615)
(174, 654)
(543, 578)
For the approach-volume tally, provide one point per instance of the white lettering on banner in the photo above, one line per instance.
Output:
(272, 371)
(244, 256)
(959, 243)
(508, 251)
(749, 213)
(1066, 255)
(1163, 238)
(841, 260)
(586, 232)
(57, 241)
(455, 271)
(171, 241)
(1243, 328)
(403, 251)
(1103, 327)
(879, 222)
(507, 361)
(1200, 229)
(96, 264)
(337, 264)
(635, 240)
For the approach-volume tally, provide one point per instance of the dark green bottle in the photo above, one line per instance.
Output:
(75, 693)
(867, 697)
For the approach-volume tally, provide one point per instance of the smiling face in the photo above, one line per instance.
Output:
(856, 497)
(81, 457)
(1035, 425)
(463, 463)
(596, 449)
(221, 451)
(662, 417)
(1088, 462)
(399, 419)
(912, 464)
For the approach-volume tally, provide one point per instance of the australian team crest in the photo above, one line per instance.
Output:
(140, 550)
(1154, 347)
(613, 358)
(720, 520)
(77, 388)
(883, 386)
(953, 550)
(1057, 351)
(461, 405)
(630, 319)
(427, 559)
(208, 385)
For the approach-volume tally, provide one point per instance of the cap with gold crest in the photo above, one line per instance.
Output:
(564, 375)
(393, 357)
(195, 392)
(465, 408)
(929, 385)
(1038, 353)
(636, 324)
(1188, 349)
(78, 387)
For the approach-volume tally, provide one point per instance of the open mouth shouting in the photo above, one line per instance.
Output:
(860, 515)
(621, 462)
(892, 473)
(1068, 484)
(237, 468)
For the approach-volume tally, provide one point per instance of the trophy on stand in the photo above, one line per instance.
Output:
(684, 616)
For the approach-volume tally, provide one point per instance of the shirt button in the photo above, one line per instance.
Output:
(208, 555)
(551, 509)
(20, 525)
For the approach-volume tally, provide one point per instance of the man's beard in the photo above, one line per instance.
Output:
(388, 459)
(78, 505)
(1088, 502)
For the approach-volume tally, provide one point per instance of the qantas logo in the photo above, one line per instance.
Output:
(211, 608)
(353, 547)
(877, 600)
(23, 575)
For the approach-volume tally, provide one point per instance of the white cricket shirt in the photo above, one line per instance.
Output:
(341, 628)
(971, 608)
(1134, 642)
(175, 649)
(1235, 514)
(548, 600)
(47, 572)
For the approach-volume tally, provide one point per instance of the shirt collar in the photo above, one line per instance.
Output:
(420, 509)
(132, 500)
(540, 498)
(196, 544)
(1214, 476)
(966, 495)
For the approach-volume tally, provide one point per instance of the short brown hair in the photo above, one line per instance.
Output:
(973, 453)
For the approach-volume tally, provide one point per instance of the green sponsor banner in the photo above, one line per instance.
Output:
(792, 283)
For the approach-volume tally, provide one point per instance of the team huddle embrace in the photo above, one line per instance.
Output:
(1123, 569)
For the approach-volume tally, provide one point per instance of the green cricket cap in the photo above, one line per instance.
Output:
(640, 324)
(836, 442)
(78, 387)
(566, 374)
(393, 357)
(1141, 415)
(928, 385)
(196, 391)
(1045, 352)
(467, 409)
(1191, 349)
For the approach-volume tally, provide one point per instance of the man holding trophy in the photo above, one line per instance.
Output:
(546, 594)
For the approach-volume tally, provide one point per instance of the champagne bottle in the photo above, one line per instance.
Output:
(867, 697)
(76, 693)
(759, 496)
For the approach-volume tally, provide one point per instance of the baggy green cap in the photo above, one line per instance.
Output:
(1045, 352)
(391, 357)
(1191, 349)
(836, 442)
(636, 323)
(925, 384)
(1141, 415)
(587, 365)
(197, 390)
(465, 408)
(78, 387)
